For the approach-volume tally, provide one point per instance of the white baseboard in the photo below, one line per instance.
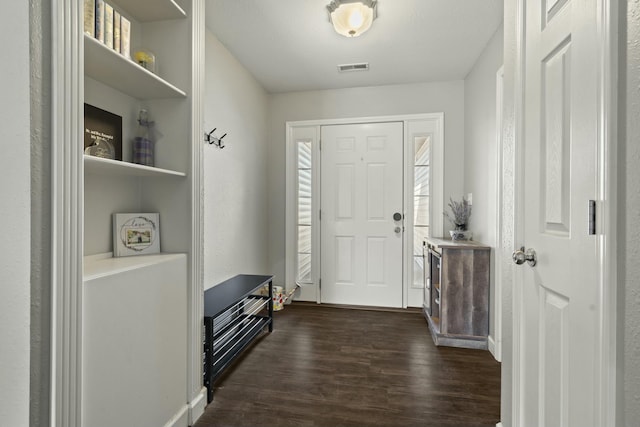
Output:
(494, 348)
(491, 344)
(197, 405)
(180, 419)
(499, 424)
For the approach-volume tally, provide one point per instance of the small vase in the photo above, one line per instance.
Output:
(461, 235)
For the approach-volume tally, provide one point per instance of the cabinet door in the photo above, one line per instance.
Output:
(465, 287)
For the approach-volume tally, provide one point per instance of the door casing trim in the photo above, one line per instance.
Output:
(437, 187)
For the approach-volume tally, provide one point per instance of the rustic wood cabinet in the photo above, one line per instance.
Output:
(457, 290)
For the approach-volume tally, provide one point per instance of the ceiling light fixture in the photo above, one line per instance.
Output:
(351, 18)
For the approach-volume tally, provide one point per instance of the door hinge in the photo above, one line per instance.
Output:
(319, 283)
(592, 217)
(320, 214)
(320, 144)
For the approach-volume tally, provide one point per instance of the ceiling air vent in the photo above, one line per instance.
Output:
(364, 66)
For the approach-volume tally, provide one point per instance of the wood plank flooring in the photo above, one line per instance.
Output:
(330, 367)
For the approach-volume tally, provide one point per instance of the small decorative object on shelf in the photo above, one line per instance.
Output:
(145, 59)
(136, 234)
(105, 125)
(459, 217)
(143, 143)
(101, 148)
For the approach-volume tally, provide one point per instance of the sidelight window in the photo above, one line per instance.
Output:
(421, 198)
(304, 217)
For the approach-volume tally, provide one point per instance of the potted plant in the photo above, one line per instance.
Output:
(459, 217)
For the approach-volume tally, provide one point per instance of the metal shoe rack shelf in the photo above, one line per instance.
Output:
(235, 313)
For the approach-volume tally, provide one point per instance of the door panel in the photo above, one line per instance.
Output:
(361, 189)
(559, 295)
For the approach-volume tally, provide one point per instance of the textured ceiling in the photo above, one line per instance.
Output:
(289, 45)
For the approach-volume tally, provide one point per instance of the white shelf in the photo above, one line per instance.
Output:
(153, 10)
(109, 67)
(98, 166)
(103, 265)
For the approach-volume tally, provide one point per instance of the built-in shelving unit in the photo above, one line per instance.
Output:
(127, 331)
(150, 293)
(117, 84)
(99, 166)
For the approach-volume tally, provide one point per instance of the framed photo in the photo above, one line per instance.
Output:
(102, 123)
(136, 234)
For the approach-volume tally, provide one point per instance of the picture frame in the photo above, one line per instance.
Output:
(103, 124)
(136, 234)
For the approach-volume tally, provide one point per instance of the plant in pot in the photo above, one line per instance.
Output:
(459, 217)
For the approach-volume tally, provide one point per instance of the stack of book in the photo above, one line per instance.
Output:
(107, 25)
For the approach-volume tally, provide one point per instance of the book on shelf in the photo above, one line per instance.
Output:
(125, 37)
(100, 20)
(116, 30)
(108, 25)
(90, 17)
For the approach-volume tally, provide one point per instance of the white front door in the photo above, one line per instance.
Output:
(558, 307)
(361, 190)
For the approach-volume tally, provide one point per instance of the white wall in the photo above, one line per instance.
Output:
(480, 149)
(235, 178)
(480, 155)
(15, 216)
(629, 218)
(447, 97)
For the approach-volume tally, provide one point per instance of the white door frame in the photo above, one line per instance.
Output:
(606, 215)
(495, 341)
(437, 187)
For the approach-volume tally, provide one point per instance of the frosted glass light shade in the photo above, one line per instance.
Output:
(351, 18)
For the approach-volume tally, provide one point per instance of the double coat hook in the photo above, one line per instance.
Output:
(212, 139)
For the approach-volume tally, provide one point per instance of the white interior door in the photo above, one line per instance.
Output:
(559, 303)
(361, 190)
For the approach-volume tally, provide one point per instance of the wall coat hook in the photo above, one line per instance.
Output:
(212, 139)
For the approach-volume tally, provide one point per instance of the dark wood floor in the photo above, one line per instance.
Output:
(334, 367)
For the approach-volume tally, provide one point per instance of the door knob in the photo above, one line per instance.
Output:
(397, 216)
(397, 230)
(520, 256)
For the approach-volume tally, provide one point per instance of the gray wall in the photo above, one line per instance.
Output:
(447, 97)
(629, 217)
(236, 224)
